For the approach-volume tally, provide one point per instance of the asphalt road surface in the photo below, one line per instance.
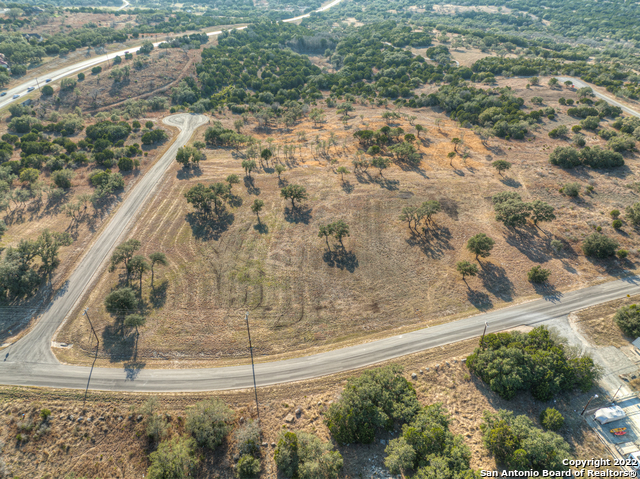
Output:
(580, 84)
(29, 371)
(35, 347)
(21, 89)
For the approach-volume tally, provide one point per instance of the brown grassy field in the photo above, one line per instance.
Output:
(116, 447)
(301, 295)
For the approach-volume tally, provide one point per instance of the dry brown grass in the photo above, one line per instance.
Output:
(598, 325)
(117, 448)
(299, 297)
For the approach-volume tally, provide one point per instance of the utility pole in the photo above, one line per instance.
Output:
(86, 391)
(253, 369)
(37, 83)
(587, 405)
(483, 333)
(614, 396)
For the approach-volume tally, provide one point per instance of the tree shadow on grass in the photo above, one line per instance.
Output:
(250, 185)
(387, 184)
(234, 201)
(529, 243)
(548, 292)
(347, 187)
(341, 259)
(479, 299)
(207, 228)
(116, 344)
(158, 296)
(511, 182)
(299, 214)
(261, 228)
(188, 173)
(433, 242)
(495, 280)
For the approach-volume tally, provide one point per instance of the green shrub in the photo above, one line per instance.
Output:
(571, 189)
(125, 164)
(537, 274)
(519, 445)
(247, 438)
(62, 178)
(47, 90)
(248, 467)
(428, 436)
(535, 362)
(375, 399)
(617, 224)
(614, 213)
(209, 422)
(286, 454)
(44, 414)
(622, 253)
(557, 245)
(551, 419)
(599, 245)
(305, 456)
(628, 320)
(174, 459)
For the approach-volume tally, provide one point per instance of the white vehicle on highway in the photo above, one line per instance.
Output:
(31, 88)
(16, 96)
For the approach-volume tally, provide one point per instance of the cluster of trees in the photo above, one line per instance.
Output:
(208, 200)
(375, 400)
(536, 362)
(399, 144)
(497, 110)
(20, 274)
(193, 41)
(429, 448)
(338, 229)
(190, 155)
(596, 157)
(414, 215)
(519, 445)
(305, 456)
(513, 212)
(628, 320)
(217, 135)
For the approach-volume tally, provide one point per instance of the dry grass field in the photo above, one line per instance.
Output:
(116, 447)
(302, 295)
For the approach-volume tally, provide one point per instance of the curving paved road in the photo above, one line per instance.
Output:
(97, 60)
(580, 84)
(35, 347)
(27, 372)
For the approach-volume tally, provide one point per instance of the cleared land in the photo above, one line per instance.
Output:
(301, 294)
